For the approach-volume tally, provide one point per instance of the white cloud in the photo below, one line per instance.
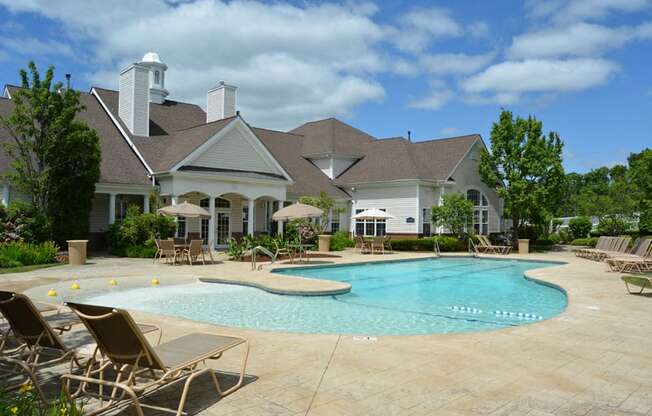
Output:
(578, 39)
(434, 101)
(449, 131)
(515, 77)
(32, 46)
(565, 11)
(455, 63)
(291, 63)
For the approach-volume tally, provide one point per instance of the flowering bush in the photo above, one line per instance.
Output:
(25, 402)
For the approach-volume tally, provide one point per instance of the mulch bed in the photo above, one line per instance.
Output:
(260, 257)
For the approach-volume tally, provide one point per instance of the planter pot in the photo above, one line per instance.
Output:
(523, 245)
(324, 243)
(77, 251)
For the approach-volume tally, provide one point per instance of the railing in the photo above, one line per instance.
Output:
(263, 250)
(436, 250)
(473, 249)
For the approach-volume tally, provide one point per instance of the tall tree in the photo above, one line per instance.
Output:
(55, 157)
(640, 174)
(525, 167)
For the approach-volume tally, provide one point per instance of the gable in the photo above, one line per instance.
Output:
(235, 149)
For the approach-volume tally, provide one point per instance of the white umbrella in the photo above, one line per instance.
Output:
(184, 209)
(297, 211)
(372, 214)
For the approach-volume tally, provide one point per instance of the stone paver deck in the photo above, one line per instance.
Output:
(593, 359)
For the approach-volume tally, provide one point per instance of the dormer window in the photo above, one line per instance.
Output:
(157, 77)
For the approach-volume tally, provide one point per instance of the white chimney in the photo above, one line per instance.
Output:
(133, 101)
(220, 102)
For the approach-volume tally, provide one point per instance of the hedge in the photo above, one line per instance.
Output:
(17, 254)
(592, 241)
(446, 244)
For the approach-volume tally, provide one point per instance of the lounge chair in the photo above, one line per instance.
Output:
(487, 247)
(642, 282)
(141, 368)
(601, 244)
(193, 252)
(284, 250)
(40, 343)
(361, 245)
(619, 247)
(620, 262)
(168, 251)
(378, 245)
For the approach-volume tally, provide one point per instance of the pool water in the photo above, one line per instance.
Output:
(390, 298)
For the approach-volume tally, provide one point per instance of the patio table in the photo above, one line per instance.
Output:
(301, 249)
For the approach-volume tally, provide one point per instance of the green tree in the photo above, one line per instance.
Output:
(55, 158)
(324, 202)
(525, 167)
(580, 227)
(640, 174)
(455, 214)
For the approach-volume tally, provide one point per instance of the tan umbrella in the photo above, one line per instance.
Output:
(372, 214)
(184, 209)
(297, 211)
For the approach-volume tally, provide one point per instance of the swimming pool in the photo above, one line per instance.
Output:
(389, 298)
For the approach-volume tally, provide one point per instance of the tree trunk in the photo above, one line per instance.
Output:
(515, 223)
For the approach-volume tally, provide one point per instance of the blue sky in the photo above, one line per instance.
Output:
(436, 68)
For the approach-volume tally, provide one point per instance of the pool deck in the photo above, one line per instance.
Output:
(594, 359)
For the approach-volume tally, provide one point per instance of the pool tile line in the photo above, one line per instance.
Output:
(323, 374)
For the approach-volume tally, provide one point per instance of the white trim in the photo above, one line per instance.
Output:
(6, 93)
(125, 189)
(124, 134)
(253, 139)
(222, 177)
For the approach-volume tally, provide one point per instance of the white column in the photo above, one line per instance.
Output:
(5, 195)
(211, 222)
(280, 223)
(252, 216)
(173, 199)
(146, 203)
(111, 208)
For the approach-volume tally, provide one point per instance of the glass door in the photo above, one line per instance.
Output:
(223, 229)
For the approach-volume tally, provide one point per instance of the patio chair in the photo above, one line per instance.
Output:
(488, 247)
(168, 251)
(600, 244)
(40, 341)
(387, 242)
(193, 236)
(141, 368)
(643, 282)
(193, 252)
(284, 251)
(361, 245)
(208, 249)
(159, 251)
(378, 244)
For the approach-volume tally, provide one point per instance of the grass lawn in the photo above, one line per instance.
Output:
(27, 268)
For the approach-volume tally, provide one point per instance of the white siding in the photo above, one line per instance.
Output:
(220, 103)
(340, 165)
(234, 151)
(133, 101)
(426, 200)
(400, 201)
(99, 216)
(467, 176)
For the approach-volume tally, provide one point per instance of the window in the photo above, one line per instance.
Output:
(222, 203)
(181, 227)
(245, 219)
(157, 77)
(426, 222)
(204, 203)
(480, 211)
(370, 228)
(335, 222)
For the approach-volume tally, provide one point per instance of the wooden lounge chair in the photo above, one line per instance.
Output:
(168, 251)
(619, 247)
(620, 262)
(487, 247)
(193, 252)
(643, 282)
(141, 368)
(361, 245)
(378, 245)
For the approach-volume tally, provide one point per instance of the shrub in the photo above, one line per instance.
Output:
(564, 236)
(134, 235)
(580, 227)
(591, 241)
(25, 402)
(340, 240)
(19, 253)
(236, 249)
(613, 226)
(21, 222)
(446, 244)
(554, 239)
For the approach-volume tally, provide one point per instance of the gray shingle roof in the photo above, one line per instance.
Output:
(332, 136)
(119, 164)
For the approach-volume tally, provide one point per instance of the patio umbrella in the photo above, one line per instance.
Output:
(372, 214)
(296, 211)
(184, 209)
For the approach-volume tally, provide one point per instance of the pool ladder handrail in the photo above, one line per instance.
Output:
(264, 251)
(436, 250)
(473, 249)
